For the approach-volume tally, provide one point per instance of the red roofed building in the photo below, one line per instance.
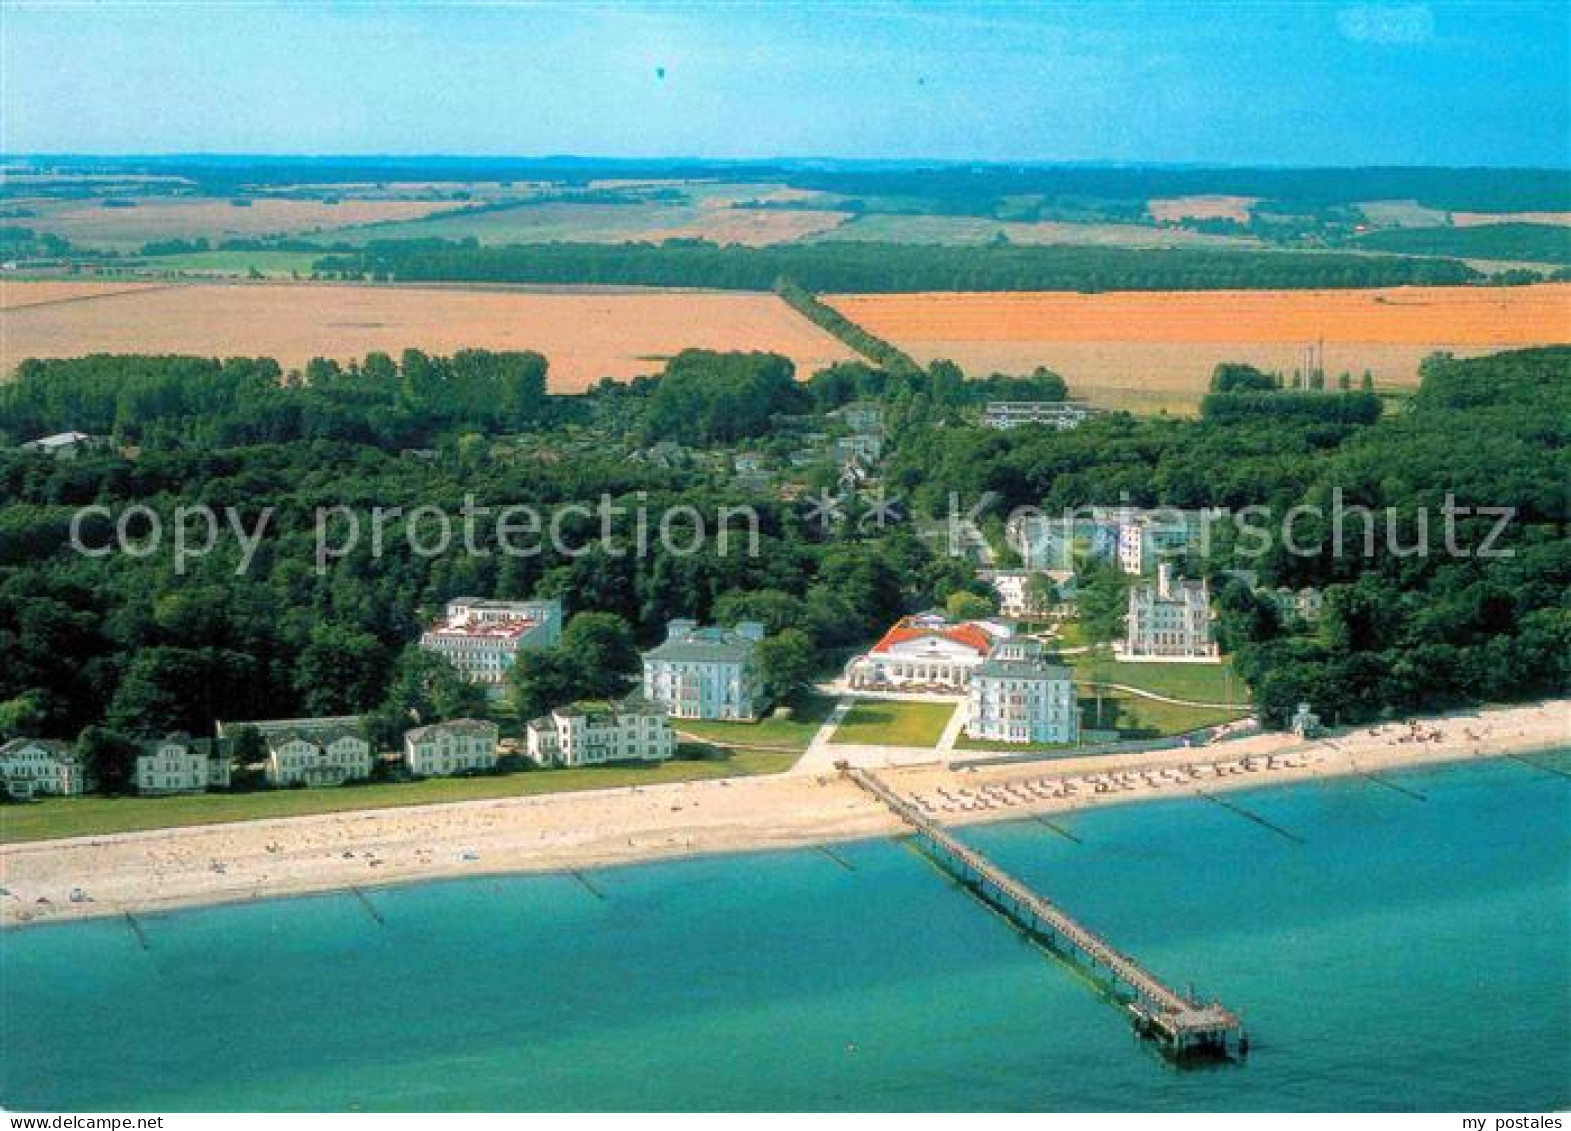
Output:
(926, 652)
(482, 639)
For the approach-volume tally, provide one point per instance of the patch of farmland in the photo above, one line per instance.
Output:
(1204, 207)
(1479, 219)
(88, 223)
(16, 294)
(976, 230)
(586, 335)
(1155, 350)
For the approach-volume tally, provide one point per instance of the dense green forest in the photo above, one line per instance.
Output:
(127, 642)
(849, 266)
(1532, 243)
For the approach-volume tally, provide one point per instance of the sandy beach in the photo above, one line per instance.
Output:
(165, 869)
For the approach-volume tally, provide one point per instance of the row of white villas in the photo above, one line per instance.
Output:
(1169, 620)
(706, 673)
(591, 734)
(1016, 695)
(482, 639)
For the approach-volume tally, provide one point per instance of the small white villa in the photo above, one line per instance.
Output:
(457, 746)
(310, 752)
(33, 766)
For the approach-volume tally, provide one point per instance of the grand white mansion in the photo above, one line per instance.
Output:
(482, 639)
(311, 752)
(1169, 619)
(31, 766)
(925, 652)
(1016, 695)
(590, 734)
(706, 673)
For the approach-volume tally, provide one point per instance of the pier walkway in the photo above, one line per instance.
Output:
(1183, 1026)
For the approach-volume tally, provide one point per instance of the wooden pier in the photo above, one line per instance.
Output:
(1185, 1028)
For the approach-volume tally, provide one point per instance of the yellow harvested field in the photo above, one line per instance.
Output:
(1155, 350)
(90, 224)
(1174, 209)
(585, 334)
(18, 294)
(1476, 219)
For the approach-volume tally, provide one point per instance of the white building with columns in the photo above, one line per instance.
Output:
(925, 652)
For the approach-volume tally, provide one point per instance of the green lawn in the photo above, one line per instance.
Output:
(1206, 683)
(888, 722)
(788, 731)
(82, 816)
(1134, 717)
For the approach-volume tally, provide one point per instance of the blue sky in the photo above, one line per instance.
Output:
(1288, 83)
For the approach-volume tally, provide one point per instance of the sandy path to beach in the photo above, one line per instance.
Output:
(150, 871)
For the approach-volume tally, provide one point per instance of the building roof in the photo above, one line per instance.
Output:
(474, 728)
(275, 732)
(57, 440)
(1021, 669)
(699, 645)
(968, 634)
(62, 751)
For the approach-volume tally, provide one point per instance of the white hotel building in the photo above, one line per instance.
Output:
(706, 673)
(1017, 696)
(588, 734)
(482, 639)
(925, 652)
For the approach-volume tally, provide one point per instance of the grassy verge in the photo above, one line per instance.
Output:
(792, 731)
(888, 722)
(84, 816)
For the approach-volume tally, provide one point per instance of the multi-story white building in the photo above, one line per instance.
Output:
(1017, 696)
(181, 764)
(311, 752)
(482, 639)
(1169, 619)
(457, 746)
(33, 766)
(925, 651)
(706, 673)
(1062, 415)
(1015, 597)
(588, 734)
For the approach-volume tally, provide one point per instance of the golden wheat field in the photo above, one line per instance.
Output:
(89, 223)
(1156, 350)
(585, 334)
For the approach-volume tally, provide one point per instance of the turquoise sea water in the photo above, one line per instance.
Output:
(1409, 953)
